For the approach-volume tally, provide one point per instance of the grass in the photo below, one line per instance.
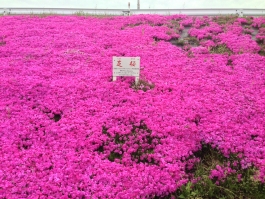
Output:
(78, 13)
(43, 14)
(231, 187)
(84, 14)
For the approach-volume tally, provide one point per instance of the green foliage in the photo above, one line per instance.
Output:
(247, 26)
(180, 42)
(141, 152)
(192, 40)
(187, 41)
(177, 42)
(175, 23)
(232, 187)
(262, 52)
(225, 19)
(261, 43)
(114, 155)
(220, 49)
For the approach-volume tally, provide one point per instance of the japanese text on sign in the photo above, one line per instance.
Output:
(126, 66)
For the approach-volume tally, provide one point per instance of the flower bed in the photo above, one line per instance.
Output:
(68, 131)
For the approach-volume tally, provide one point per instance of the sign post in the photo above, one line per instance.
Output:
(129, 7)
(126, 66)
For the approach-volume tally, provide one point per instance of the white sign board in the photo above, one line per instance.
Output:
(126, 66)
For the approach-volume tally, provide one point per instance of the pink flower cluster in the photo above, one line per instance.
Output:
(205, 32)
(238, 43)
(258, 22)
(229, 34)
(68, 131)
(261, 35)
(220, 173)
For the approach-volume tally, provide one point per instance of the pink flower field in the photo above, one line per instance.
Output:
(68, 131)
